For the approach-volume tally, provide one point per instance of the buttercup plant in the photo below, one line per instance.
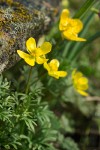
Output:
(38, 108)
(37, 54)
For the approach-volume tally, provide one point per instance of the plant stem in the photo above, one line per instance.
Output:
(28, 81)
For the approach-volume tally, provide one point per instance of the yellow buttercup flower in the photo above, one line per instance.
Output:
(80, 82)
(52, 69)
(36, 54)
(70, 27)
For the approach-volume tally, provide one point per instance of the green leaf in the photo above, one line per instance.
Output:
(69, 144)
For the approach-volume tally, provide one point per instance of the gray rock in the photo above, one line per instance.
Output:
(19, 20)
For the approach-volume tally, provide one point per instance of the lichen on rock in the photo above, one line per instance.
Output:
(19, 20)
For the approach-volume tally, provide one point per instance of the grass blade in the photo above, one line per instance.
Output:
(83, 10)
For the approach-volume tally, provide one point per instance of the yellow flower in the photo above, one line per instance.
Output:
(70, 27)
(80, 82)
(52, 69)
(36, 54)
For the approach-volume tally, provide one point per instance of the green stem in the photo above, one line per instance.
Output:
(95, 10)
(28, 81)
(66, 49)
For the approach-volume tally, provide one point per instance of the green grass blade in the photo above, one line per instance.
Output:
(83, 10)
(89, 40)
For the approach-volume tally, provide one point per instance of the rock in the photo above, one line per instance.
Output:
(19, 20)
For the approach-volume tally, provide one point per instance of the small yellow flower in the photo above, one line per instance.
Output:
(36, 54)
(52, 69)
(80, 82)
(70, 27)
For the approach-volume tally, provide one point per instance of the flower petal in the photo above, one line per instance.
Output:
(76, 75)
(76, 25)
(65, 14)
(82, 86)
(83, 81)
(31, 44)
(72, 36)
(64, 19)
(82, 92)
(57, 74)
(54, 64)
(53, 74)
(44, 49)
(41, 59)
(62, 73)
(28, 58)
(46, 66)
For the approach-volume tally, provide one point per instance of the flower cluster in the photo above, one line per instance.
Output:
(37, 54)
(69, 28)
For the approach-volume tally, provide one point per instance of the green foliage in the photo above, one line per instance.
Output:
(67, 143)
(25, 120)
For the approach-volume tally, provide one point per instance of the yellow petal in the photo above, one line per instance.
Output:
(53, 74)
(41, 59)
(76, 25)
(61, 73)
(73, 73)
(82, 92)
(54, 64)
(64, 19)
(76, 75)
(46, 66)
(82, 86)
(22, 54)
(44, 49)
(63, 25)
(72, 36)
(28, 58)
(83, 80)
(65, 14)
(31, 44)
(57, 74)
